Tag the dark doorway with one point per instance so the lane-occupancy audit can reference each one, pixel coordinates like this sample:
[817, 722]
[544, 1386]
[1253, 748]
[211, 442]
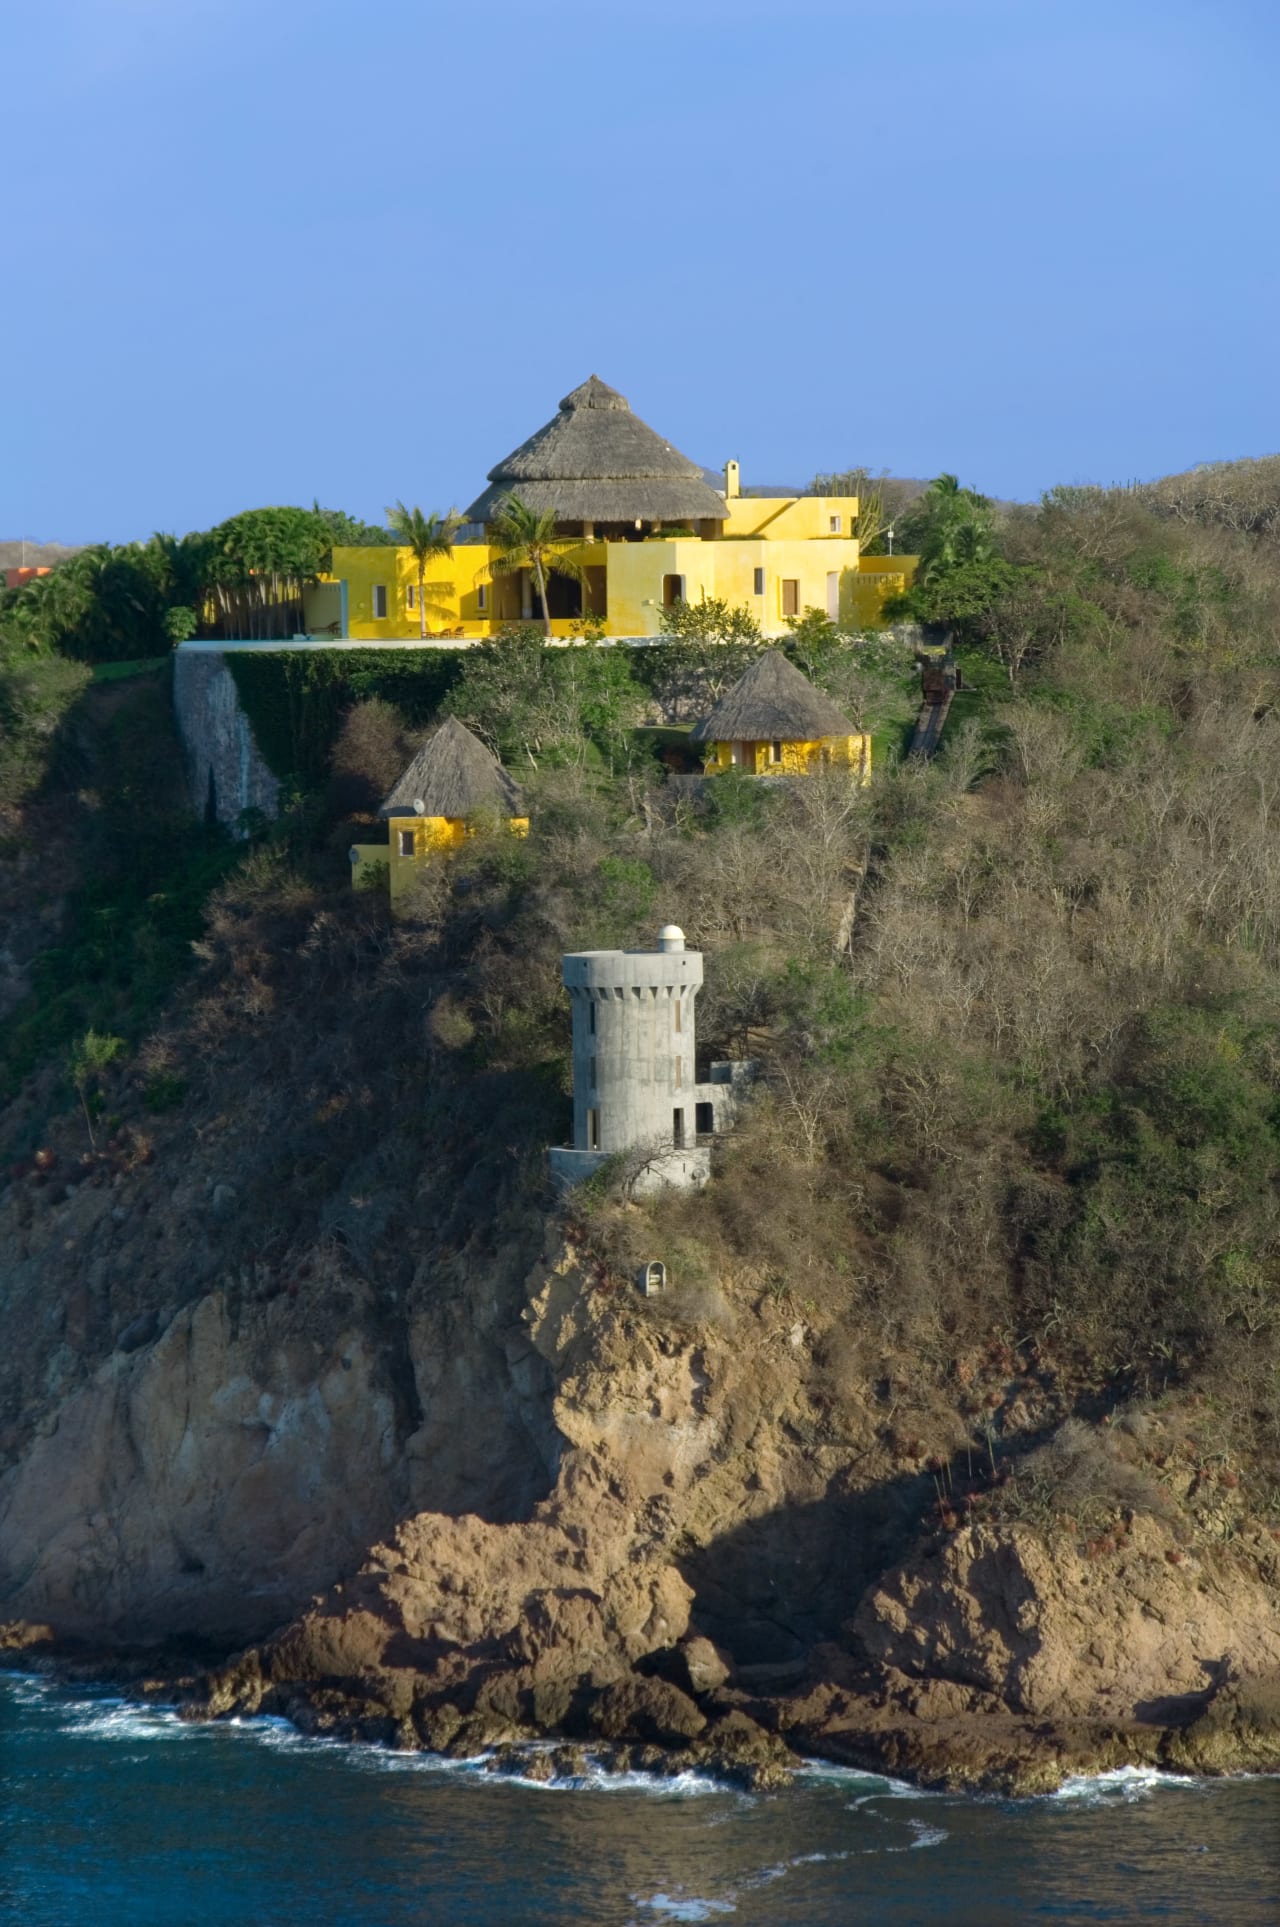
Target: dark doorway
[706, 1117]
[564, 596]
[677, 1129]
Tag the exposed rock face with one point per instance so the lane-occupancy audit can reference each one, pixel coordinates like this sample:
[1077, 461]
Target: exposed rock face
[992, 1657]
[195, 1486]
[530, 1502]
[1129, 1636]
[202, 1468]
[227, 772]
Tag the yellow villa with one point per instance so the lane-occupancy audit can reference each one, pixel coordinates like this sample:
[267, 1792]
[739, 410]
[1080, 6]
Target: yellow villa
[650, 530]
[453, 782]
[773, 722]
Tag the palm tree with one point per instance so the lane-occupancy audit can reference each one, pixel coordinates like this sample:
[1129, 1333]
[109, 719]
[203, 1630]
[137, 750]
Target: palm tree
[526, 538]
[953, 526]
[428, 536]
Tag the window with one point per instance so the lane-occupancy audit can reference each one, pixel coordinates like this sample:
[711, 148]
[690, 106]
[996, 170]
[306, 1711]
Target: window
[482, 597]
[591, 1074]
[833, 525]
[672, 591]
[759, 582]
[679, 1019]
[790, 596]
[679, 1068]
[379, 601]
[409, 594]
[705, 1117]
[677, 1129]
[406, 842]
[775, 752]
[592, 1024]
[593, 1130]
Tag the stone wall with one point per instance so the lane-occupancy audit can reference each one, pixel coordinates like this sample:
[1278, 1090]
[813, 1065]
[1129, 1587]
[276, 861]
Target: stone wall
[225, 768]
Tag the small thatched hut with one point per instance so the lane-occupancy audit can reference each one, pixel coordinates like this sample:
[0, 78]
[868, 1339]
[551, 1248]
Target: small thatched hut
[452, 781]
[453, 776]
[774, 722]
[602, 470]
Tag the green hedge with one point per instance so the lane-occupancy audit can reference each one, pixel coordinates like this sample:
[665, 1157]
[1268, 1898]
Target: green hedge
[295, 701]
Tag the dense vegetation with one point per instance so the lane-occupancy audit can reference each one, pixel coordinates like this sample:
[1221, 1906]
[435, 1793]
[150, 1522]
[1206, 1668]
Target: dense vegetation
[1018, 1010]
[242, 578]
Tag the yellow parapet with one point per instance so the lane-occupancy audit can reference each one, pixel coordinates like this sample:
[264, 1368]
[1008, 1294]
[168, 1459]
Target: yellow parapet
[879, 579]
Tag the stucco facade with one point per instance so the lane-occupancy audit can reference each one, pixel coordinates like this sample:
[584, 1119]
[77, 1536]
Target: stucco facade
[779, 757]
[774, 556]
[411, 841]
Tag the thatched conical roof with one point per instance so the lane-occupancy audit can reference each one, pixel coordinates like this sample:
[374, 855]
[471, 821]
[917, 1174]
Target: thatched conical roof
[774, 701]
[453, 774]
[597, 462]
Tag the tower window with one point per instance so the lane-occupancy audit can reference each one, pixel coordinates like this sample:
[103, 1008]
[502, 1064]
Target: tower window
[591, 1075]
[482, 597]
[379, 601]
[759, 582]
[406, 842]
[833, 525]
[775, 752]
[679, 1022]
[409, 595]
[592, 1008]
[679, 1066]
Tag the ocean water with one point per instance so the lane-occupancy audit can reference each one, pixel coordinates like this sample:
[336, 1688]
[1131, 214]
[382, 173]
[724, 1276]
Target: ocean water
[115, 1814]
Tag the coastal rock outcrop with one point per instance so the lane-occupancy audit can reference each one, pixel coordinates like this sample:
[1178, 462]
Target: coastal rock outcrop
[996, 1654]
[1146, 1632]
[510, 1499]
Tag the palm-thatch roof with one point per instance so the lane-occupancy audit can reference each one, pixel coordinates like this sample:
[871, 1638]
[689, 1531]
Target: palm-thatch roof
[773, 702]
[453, 774]
[597, 462]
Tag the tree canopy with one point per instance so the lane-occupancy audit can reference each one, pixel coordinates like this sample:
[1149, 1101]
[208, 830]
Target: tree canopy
[115, 604]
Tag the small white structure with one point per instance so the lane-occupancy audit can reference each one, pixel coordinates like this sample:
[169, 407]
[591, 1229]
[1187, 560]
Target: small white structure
[634, 1066]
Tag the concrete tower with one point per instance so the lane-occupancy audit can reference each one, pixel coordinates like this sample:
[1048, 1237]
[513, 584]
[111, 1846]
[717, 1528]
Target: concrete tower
[634, 1064]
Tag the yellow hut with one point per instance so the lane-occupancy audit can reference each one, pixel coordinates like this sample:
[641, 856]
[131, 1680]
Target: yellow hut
[773, 722]
[453, 782]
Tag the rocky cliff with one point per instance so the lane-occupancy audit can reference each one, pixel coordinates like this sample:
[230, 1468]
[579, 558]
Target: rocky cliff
[703, 1576]
[534, 1503]
[225, 768]
[297, 1362]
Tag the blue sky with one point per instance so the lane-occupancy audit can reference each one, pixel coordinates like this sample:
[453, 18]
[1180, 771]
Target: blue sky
[264, 251]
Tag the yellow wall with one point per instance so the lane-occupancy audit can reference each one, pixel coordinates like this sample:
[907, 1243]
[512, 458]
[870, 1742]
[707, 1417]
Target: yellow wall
[798, 759]
[451, 597]
[807, 518]
[793, 546]
[880, 577]
[727, 569]
[453, 591]
[432, 836]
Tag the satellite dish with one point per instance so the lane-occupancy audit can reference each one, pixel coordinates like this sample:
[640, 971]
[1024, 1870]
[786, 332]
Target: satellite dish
[419, 807]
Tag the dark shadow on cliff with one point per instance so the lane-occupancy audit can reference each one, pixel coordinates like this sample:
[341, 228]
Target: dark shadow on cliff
[772, 1588]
